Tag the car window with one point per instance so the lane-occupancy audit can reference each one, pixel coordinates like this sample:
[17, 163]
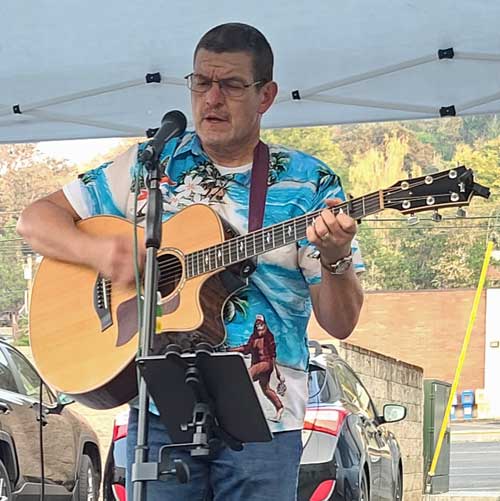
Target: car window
[354, 390]
[346, 383]
[322, 388]
[7, 380]
[30, 380]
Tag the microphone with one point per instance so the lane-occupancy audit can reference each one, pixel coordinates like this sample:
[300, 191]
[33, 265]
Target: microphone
[173, 124]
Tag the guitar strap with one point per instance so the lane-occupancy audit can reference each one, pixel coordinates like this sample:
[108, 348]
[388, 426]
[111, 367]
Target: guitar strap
[258, 187]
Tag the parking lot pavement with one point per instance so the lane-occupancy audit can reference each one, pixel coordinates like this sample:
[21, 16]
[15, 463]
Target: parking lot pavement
[475, 431]
[462, 496]
[475, 467]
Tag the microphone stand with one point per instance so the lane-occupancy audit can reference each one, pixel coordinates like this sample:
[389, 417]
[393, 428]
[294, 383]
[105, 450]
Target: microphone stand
[153, 236]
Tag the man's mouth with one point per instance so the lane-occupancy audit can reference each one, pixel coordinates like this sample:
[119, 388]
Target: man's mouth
[214, 119]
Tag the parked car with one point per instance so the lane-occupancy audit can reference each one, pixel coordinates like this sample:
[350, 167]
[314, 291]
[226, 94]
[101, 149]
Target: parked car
[348, 453]
[69, 459]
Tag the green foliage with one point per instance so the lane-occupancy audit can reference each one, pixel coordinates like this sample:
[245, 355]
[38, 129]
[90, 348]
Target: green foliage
[380, 167]
[484, 158]
[316, 141]
[25, 176]
[12, 283]
[23, 333]
[370, 157]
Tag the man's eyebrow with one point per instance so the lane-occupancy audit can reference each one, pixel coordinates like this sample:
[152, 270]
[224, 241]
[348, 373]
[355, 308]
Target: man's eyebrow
[230, 77]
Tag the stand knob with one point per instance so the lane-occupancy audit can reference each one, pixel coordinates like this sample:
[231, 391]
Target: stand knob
[180, 470]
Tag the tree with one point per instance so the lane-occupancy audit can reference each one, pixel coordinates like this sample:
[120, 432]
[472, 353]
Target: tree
[484, 158]
[316, 141]
[356, 140]
[380, 167]
[25, 176]
[480, 127]
[12, 283]
[111, 154]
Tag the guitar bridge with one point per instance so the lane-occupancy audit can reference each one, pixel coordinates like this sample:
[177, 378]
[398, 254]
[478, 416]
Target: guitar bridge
[102, 301]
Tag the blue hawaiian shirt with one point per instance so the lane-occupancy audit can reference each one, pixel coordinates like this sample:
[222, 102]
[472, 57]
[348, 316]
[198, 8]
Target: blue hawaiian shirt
[267, 320]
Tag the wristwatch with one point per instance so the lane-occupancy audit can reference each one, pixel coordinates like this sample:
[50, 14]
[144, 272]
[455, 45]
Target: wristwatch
[338, 267]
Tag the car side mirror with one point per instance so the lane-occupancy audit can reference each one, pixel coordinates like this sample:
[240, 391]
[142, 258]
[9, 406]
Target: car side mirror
[63, 399]
[393, 413]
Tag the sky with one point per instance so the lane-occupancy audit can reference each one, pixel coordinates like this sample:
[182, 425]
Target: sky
[79, 150]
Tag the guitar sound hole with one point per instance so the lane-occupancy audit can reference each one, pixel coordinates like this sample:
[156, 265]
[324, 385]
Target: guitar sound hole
[170, 268]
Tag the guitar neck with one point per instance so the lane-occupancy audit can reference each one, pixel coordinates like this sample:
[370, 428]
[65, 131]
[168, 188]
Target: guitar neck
[273, 237]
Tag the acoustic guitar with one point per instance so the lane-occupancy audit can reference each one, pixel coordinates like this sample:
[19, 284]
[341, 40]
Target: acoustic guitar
[83, 328]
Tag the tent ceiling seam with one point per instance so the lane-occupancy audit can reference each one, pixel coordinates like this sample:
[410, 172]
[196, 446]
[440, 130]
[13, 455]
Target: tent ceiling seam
[373, 104]
[149, 78]
[82, 121]
[478, 102]
[442, 54]
[6, 110]
[477, 56]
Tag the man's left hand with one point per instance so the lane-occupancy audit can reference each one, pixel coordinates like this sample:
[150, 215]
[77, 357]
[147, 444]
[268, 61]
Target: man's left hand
[332, 234]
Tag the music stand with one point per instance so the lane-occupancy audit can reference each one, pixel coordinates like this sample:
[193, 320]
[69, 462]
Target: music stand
[206, 400]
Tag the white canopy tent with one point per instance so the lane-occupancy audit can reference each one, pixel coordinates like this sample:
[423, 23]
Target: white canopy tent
[79, 69]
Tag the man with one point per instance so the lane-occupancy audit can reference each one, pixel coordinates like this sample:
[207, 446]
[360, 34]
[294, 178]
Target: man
[231, 88]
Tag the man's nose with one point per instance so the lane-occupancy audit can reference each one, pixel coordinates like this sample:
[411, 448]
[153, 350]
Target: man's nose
[214, 94]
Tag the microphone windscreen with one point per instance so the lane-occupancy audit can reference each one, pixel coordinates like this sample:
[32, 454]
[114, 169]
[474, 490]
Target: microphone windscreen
[176, 117]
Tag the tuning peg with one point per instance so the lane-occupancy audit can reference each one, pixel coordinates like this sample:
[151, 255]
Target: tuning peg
[436, 217]
[412, 219]
[461, 212]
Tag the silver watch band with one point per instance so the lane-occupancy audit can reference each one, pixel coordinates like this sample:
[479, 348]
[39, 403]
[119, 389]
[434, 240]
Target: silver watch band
[338, 267]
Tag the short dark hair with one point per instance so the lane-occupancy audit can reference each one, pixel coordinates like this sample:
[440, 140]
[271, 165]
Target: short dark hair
[239, 37]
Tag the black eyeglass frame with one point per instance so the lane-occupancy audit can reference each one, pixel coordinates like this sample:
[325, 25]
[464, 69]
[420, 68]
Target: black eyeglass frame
[189, 79]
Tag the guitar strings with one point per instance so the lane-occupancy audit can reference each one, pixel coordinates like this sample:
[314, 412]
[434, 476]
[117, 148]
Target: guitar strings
[176, 267]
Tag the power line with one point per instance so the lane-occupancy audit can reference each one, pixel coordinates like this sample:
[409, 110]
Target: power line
[436, 227]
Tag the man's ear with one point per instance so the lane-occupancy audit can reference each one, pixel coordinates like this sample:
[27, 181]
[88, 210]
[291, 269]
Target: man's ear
[268, 95]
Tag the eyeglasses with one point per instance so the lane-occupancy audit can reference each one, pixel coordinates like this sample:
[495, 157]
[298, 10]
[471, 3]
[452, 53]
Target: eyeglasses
[230, 87]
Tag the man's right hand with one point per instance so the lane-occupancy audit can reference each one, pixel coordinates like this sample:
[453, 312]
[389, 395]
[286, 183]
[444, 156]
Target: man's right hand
[113, 257]
[49, 225]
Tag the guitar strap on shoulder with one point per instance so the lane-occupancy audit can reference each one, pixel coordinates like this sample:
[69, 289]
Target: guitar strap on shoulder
[258, 186]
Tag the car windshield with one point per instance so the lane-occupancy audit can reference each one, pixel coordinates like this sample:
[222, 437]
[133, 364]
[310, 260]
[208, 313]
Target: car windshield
[322, 387]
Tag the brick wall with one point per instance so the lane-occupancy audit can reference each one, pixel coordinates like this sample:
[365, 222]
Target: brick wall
[392, 381]
[424, 328]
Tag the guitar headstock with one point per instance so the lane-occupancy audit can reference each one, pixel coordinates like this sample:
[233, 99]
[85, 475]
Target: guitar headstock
[450, 188]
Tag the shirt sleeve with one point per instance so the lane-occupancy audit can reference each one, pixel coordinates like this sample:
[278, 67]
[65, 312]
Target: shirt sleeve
[328, 185]
[104, 190]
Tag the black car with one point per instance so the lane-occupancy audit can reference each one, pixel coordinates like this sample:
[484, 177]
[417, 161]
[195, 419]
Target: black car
[348, 454]
[68, 465]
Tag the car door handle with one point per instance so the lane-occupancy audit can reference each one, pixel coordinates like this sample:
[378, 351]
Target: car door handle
[5, 408]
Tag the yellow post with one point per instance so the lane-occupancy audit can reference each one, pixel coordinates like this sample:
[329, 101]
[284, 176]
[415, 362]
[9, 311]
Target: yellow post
[461, 360]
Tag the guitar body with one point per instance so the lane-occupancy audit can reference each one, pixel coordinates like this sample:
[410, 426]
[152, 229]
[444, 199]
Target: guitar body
[83, 332]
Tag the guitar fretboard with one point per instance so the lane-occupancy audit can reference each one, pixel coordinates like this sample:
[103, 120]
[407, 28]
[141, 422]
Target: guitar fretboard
[273, 237]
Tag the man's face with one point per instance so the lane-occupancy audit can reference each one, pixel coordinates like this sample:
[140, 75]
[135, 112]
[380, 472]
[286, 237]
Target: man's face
[223, 123]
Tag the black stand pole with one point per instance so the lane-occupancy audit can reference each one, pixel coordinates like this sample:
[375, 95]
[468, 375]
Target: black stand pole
[150, 159]
[173, 124]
